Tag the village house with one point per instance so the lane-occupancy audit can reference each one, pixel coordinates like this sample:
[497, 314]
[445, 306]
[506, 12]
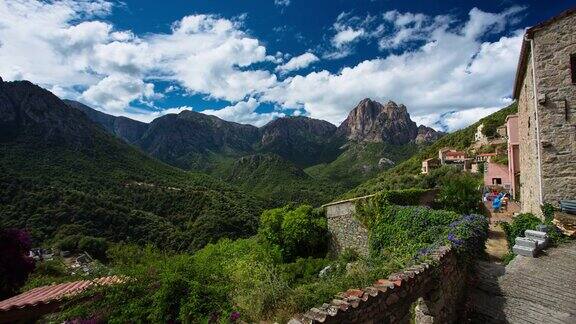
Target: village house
[545, 88]
[504, 175]
[429, 165]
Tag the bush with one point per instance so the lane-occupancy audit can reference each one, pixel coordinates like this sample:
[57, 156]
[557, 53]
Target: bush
[460, 194]
[68, 243]
[519, 225]
[403, 197]
[299, 232]
[95, 246]
[15, 265]
[490, 128]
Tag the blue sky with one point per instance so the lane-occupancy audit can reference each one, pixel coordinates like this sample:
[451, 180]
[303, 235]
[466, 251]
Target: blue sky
[449, 62]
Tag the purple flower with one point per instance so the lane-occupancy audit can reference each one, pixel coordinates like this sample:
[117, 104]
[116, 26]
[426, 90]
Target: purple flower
[234, 316]
[456, 241]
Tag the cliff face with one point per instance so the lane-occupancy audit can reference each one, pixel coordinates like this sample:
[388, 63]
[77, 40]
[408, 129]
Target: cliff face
[370, 121]
[427, 135]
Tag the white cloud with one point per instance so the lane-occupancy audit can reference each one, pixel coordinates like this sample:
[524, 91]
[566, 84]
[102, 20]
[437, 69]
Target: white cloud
[297, 63]
[282, 3]
[115, 92]
[349, 29]
[204, 54]
[244, 112]
[454, 120]
[453, 70]
[68, 47]
[346, 35]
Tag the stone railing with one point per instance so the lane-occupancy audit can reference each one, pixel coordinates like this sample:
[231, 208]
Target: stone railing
[430, 292]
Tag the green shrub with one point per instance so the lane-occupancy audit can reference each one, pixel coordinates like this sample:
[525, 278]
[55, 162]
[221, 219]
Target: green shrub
[68, 243]
[460, 194]
[403, 197]
[95, 246]
[299, 232]
[519, 225]
[303, 269]
[548, 212]
[490, 128]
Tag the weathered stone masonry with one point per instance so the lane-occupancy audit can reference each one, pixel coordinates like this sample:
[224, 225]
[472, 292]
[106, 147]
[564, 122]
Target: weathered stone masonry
[547, 115]
[346, 232]
[437, 287]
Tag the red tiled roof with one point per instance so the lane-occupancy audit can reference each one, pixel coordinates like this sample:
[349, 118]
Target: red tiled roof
[53, 293]
[454, 153]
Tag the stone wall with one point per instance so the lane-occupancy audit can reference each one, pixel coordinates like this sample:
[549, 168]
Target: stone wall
[346, 232]
[529, 167]
[557, 111]
[437, 287]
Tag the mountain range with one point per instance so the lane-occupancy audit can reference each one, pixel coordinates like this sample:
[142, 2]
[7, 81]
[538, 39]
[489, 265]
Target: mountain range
[372, 138]
[182, 180]
[63, 175]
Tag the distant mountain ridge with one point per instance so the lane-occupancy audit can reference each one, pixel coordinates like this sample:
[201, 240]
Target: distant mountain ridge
[189, 136]
[59, 171]
[338, 157]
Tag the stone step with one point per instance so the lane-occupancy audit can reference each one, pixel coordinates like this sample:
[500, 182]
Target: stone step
[523, 250]
[540, 237]
[527, 242]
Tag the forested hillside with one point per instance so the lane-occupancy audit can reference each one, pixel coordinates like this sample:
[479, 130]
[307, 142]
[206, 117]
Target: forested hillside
[61, 175]
[405, 174]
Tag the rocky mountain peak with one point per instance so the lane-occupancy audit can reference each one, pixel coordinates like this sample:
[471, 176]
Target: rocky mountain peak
[26, 109]
[371, 121]
[427, 135]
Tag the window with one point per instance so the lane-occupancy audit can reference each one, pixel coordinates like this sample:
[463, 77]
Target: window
[496, 181]
[573, 67]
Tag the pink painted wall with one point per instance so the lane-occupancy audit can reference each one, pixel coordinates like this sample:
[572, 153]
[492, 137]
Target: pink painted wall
[513, 151]
[495, 170]
[512, 129]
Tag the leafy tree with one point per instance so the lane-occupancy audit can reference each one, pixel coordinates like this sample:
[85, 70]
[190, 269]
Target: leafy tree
[15, 264]
[460, 194]
[95, 246]
[300, 231]
[490, 127]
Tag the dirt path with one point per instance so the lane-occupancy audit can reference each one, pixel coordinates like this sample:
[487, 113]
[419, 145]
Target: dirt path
[497, 246]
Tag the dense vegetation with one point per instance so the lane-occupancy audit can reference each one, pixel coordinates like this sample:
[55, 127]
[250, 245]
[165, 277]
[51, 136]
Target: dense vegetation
[63, 178]
[277, 181]
[282, 270]
[408, 170]
[361, 161]
[133, 198]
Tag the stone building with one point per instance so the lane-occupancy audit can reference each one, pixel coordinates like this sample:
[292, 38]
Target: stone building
[545, 88]
[513, 153]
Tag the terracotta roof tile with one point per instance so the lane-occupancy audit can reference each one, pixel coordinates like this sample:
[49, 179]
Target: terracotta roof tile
[52, 293]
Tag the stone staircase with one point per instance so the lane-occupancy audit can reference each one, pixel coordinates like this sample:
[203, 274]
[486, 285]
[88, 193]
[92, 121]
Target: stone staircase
[531, 244]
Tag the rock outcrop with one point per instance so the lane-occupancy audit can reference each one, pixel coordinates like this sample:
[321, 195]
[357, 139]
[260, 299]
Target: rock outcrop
[427, 135]
[370, 121]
